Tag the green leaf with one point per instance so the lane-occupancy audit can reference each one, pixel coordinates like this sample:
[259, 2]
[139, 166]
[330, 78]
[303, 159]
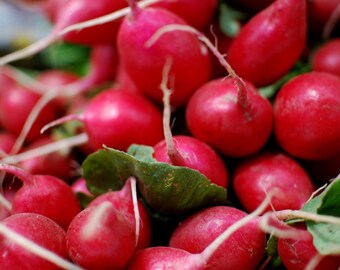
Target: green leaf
[167, 189]
[141, 152]
[326, 237]
[229, 20]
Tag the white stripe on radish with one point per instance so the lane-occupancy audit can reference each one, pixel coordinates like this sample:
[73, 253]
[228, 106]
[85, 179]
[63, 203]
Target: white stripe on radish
[37, 249]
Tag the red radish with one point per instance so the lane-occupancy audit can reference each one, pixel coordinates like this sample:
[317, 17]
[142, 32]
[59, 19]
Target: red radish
[109, 245]
[144, 62]
[75, 11]
[124, 81]
[59, 164]
[299, 253]
[16, 104]
[7, 141]
[235, 122]
[40, 229]
[187, 151]
[196, 13]
[162, 258]
[327, 57]
[256, 176]
[284, 23]
[118, 119]
[196, 155]
[244, 249]
[56, 79]
[45, 195]
[306, 116]
[122, 202]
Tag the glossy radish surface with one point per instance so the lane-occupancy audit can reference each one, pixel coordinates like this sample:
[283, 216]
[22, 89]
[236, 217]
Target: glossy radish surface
[306, 116]
[196, 155]
[242, 250]
[284, 23]
[216, 115]
[327, 57]
[255, 177]
[144, 63]
[40, 229]
[45, 195]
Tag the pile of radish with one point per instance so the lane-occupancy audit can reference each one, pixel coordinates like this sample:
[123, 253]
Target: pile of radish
[203, 135]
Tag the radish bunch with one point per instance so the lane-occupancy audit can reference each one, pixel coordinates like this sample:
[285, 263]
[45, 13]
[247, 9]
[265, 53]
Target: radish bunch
[197, 135]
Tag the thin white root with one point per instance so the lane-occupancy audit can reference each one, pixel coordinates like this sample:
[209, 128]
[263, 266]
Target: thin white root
[242, 92]
[314, 262]
[37, 249]
[133, 183]
[293, 214]
[47, 149]
[38, 107]
[213, 246]
[54, 36]
[104, 19]
[94, 220]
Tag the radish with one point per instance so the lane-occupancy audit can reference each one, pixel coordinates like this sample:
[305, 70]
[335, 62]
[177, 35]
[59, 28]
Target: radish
[255, 177]
[235, 121]
[327, 57]
[117, 119]
[74, 11]
[59, 164]
[16, 105]
[283, 23]
[144, 62]
[110, 243]
[242, 250]
[122, 201]
[187, 151]
[65, 26]
[306, 116]
[7, 141]
[300, 253]
[45, 195]
[40, 229]
[198, 14]
[162, 258]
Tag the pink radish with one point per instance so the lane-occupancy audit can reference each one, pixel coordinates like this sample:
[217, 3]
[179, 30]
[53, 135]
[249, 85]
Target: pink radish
[108, 245]
[45, 195]
[242, 250]
[59, 164]
[16, 104]
[300, 252]
[306, 116]
[327, 57]
[185, 150]
[284, 23]
[40, 229]
[162, 258]
[7, 141]
[235, 121]
[117, 119]
[196, 13]
[122, 202]
[144, 62]
[256, 176]
[76, 11]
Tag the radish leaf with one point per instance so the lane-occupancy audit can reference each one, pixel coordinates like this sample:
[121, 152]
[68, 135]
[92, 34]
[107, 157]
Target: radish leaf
[165, 188]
